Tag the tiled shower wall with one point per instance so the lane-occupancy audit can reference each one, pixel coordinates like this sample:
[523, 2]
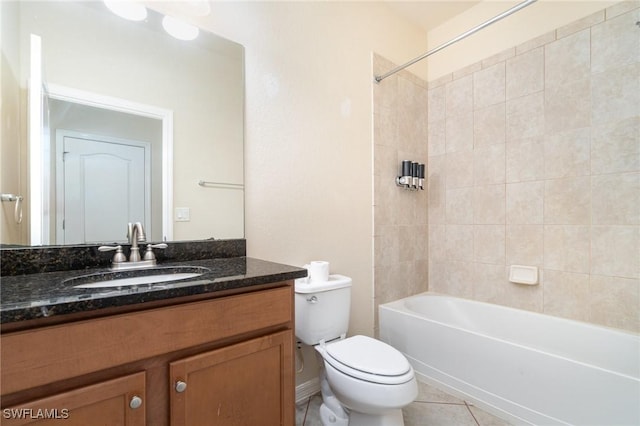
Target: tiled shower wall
[534, 159]
[400, 216]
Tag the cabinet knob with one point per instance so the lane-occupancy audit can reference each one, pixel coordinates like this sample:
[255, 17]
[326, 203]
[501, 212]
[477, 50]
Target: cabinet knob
[135, 402]
[181, 386]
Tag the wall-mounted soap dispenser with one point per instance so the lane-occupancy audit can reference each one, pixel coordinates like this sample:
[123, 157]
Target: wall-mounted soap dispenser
[411, 176]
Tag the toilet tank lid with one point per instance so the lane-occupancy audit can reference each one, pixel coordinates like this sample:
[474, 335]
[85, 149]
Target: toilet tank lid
[334, 282]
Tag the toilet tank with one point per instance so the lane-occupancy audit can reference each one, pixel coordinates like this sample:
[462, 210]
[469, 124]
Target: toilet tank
[322, 308]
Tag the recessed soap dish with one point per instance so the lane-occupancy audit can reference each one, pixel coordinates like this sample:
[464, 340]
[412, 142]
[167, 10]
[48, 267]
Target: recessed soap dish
[520, 274]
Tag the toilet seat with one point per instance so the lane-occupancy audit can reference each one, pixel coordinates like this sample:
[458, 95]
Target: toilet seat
[370, 360]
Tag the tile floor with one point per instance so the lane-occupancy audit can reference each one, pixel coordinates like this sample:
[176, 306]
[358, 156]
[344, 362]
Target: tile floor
[432, 408]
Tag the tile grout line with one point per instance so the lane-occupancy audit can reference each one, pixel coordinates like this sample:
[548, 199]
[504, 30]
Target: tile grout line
[306, 410]
[471, 412]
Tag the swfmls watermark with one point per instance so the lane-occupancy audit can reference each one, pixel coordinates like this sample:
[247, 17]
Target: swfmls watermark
[36, 414]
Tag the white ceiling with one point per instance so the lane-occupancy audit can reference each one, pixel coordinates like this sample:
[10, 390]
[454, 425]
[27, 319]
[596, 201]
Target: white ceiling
[430, 13]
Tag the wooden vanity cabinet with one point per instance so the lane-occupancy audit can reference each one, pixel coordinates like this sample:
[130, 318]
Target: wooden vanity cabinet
[112, 402]
[223, 361]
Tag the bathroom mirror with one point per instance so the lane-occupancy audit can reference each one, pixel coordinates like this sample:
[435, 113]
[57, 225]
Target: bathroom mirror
[173, 110]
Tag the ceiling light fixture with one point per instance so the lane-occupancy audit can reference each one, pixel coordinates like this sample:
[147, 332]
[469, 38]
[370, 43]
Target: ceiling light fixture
[127, 9]
[179, 29]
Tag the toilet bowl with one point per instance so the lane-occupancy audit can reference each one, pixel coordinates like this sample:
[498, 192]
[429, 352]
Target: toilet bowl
[364, 382]
[369, 378]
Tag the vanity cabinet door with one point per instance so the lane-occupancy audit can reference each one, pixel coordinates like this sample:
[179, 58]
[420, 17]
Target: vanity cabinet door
[114, 402]
[249, 383]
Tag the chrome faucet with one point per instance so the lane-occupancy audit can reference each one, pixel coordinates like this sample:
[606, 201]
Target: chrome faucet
[135, 235]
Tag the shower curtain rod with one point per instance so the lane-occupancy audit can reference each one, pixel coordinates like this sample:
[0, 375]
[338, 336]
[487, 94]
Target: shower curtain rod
[379, 78]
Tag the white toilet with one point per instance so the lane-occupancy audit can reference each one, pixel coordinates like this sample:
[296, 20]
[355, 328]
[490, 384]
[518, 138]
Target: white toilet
[364, 382]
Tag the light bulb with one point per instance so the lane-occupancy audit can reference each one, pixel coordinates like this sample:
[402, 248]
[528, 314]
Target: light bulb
[179, 29]
[127, 9]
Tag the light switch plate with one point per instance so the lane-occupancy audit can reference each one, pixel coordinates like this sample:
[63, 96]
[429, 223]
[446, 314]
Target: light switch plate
[183, 214]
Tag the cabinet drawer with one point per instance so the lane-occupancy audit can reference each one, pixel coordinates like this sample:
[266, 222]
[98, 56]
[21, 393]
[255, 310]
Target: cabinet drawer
[110, 402]
[37, 357]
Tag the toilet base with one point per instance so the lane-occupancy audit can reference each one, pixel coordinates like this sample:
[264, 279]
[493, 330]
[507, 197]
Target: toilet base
[391, 418]
[332, 413]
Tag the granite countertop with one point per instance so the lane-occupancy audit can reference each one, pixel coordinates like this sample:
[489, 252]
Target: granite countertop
[42, 295]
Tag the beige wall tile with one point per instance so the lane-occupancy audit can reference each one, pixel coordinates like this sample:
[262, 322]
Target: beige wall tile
[437, 243]
[615, 199]
[499, 57]
[460, 279]
[567, 59]
[489, 125]
[469, 69]
[621, 7]
[536, 42]
[440, 81]
[460, 206]
[527, 297]
[489, 165]
[525, 117]
[616, 147]
[568, 106]
[489, 205]
[614, 251]
[567, 248]
[413, 242]
[437, 276]
[525, 160]
[616, 95]
[459, 169]
[436, 138]
[525, 74]
[553, 169]
[436, 106]
[525, 202]
[489, 244]
[615, 42]
[387, 248]
[385, 95]
[567, 201]
[581, 24]
[489, 282]
[459, 242]
[385, 126]
[524, 245]
[489, 86]
[615, 301]
[459, 96]
[567, 154]
[566, 295]
[385, 160]
[459, 132]
[436, 187]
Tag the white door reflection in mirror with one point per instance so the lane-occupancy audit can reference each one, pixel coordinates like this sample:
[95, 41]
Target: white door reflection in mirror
[102, 184]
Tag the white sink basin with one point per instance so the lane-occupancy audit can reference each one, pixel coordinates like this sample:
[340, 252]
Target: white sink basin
[136, 277]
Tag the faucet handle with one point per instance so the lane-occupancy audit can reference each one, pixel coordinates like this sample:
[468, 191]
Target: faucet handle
[119, 257]
[148, 254]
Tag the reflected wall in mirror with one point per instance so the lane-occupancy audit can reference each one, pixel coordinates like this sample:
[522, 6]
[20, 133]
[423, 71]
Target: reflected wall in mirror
[91, 53]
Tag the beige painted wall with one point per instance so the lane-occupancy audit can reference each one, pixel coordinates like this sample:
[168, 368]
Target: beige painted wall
[533, 21]
[308, 155]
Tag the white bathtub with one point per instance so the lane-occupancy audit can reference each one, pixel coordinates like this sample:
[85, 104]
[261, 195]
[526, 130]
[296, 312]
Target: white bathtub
[525, 367]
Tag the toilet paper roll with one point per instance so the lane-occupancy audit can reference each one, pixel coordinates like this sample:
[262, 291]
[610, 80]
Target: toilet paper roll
[318, 271]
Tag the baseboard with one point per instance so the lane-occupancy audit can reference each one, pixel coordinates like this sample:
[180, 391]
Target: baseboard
[307, 389]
